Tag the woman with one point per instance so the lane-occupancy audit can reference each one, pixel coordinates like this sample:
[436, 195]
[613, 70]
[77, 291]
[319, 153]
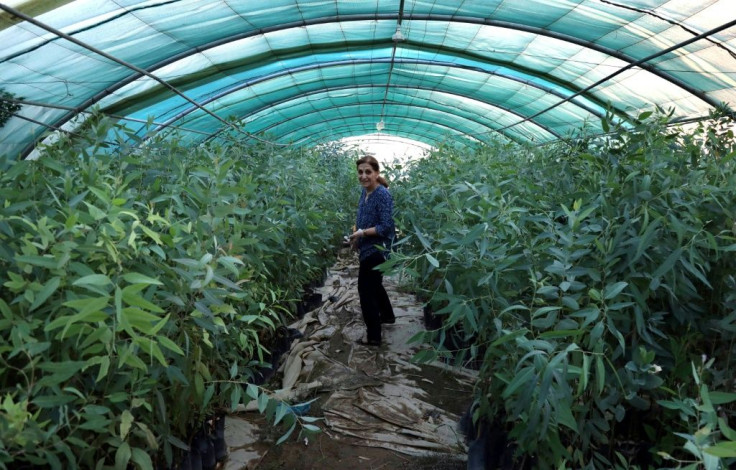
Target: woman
[375, 231]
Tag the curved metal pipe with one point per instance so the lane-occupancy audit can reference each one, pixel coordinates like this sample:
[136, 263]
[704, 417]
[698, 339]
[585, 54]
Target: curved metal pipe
[374, 17]
[303, 68]
[321, 91]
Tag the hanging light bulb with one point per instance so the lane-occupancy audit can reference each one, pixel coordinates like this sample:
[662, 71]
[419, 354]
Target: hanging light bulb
[380, 125]
[398, 37]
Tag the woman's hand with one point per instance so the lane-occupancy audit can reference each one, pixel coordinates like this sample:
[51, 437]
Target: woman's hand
[355, 237]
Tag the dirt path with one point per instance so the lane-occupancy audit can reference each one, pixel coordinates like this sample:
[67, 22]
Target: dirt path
[377, 410]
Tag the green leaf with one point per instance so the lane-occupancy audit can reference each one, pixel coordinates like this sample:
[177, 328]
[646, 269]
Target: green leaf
[208, 394]
[52, 401]
[126, 421]
[132, 298]
[721, 398]
[668, 264]
[48, 262]
[722, 449]
[104, 367]
[78, 198]
[424, 356]
[726, 430]
[199, 385]
[46, 291]
[565, 417]
[505, 338]
[150, 347]
[584, 374]
[425, 243]
[281, 411]
[262, 402]
[142, 459]
[286, 435]
[560, 333]
[122, 456]
[93, 280]
[138, 278]
[522, 378]
[612, 290]
[88, 304]
[600, 373]
[235, 396]
[543, 310]
[95, 212]
[170, 345]
[311, 428]
[432, 260]
[151, 234]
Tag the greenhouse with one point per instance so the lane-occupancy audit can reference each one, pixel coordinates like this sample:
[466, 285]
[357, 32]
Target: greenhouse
[182, 272]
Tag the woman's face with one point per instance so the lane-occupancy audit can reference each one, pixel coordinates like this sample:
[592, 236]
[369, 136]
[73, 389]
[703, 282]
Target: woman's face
[367, 176]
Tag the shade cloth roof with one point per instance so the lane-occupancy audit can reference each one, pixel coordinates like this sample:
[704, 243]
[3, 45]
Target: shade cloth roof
[304, 72]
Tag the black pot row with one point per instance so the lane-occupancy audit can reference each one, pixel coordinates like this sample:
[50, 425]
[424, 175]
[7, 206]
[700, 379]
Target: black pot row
[208, 446]
[453, 339]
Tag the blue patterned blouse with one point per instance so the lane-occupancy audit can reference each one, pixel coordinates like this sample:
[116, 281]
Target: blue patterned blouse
[376, 212]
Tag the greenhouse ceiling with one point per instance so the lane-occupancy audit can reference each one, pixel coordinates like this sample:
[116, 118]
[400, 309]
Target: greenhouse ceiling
[307, 72]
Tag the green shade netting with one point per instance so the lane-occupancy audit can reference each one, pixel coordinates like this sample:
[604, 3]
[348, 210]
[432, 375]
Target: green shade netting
[306, 72]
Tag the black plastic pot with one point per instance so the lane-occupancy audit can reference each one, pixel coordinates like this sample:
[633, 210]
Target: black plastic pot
[191, 461]
[431, 321]
[312, 301]
[218, 439]
[206, 449]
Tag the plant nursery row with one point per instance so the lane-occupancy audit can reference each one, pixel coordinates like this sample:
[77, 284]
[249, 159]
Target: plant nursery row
[591, 283]
[141, 289]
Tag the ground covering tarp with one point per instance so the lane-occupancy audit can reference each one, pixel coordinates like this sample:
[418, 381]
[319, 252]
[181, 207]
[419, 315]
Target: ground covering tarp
[368, 397]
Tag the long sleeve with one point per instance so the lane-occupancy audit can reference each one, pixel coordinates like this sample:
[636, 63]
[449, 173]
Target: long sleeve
[376, 212]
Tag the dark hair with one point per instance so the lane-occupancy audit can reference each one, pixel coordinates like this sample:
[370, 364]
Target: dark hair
[371, 160]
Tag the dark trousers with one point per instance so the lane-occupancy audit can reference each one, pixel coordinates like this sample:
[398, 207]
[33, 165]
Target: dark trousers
[374, 301]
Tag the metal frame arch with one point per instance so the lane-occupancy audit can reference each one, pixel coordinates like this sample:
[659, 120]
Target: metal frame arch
[291, 71]
[418, 17]
[400, 87]
[285, 136]
[422, 137]
[296, 70]
[484, 123]
[398, 117]
[431, 140]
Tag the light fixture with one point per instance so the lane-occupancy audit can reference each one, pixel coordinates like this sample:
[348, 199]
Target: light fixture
[398, 37]
[380, 125]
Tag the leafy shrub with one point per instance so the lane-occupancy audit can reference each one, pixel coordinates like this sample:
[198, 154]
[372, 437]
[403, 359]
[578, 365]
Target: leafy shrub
[585, 278]
[7, 107]
[141, 287]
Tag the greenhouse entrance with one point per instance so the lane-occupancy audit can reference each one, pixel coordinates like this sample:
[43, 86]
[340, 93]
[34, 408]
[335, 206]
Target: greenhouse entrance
[376, 408]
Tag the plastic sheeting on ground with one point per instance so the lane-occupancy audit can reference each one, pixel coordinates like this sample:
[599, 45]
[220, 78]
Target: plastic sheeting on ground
[369, 396]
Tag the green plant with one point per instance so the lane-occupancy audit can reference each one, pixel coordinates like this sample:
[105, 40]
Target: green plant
[141, 288]
[7, 107]
[581, 278]
[709, 440]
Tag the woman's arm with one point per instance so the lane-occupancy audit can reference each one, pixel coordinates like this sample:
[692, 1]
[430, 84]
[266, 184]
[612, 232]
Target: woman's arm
[385, 207]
